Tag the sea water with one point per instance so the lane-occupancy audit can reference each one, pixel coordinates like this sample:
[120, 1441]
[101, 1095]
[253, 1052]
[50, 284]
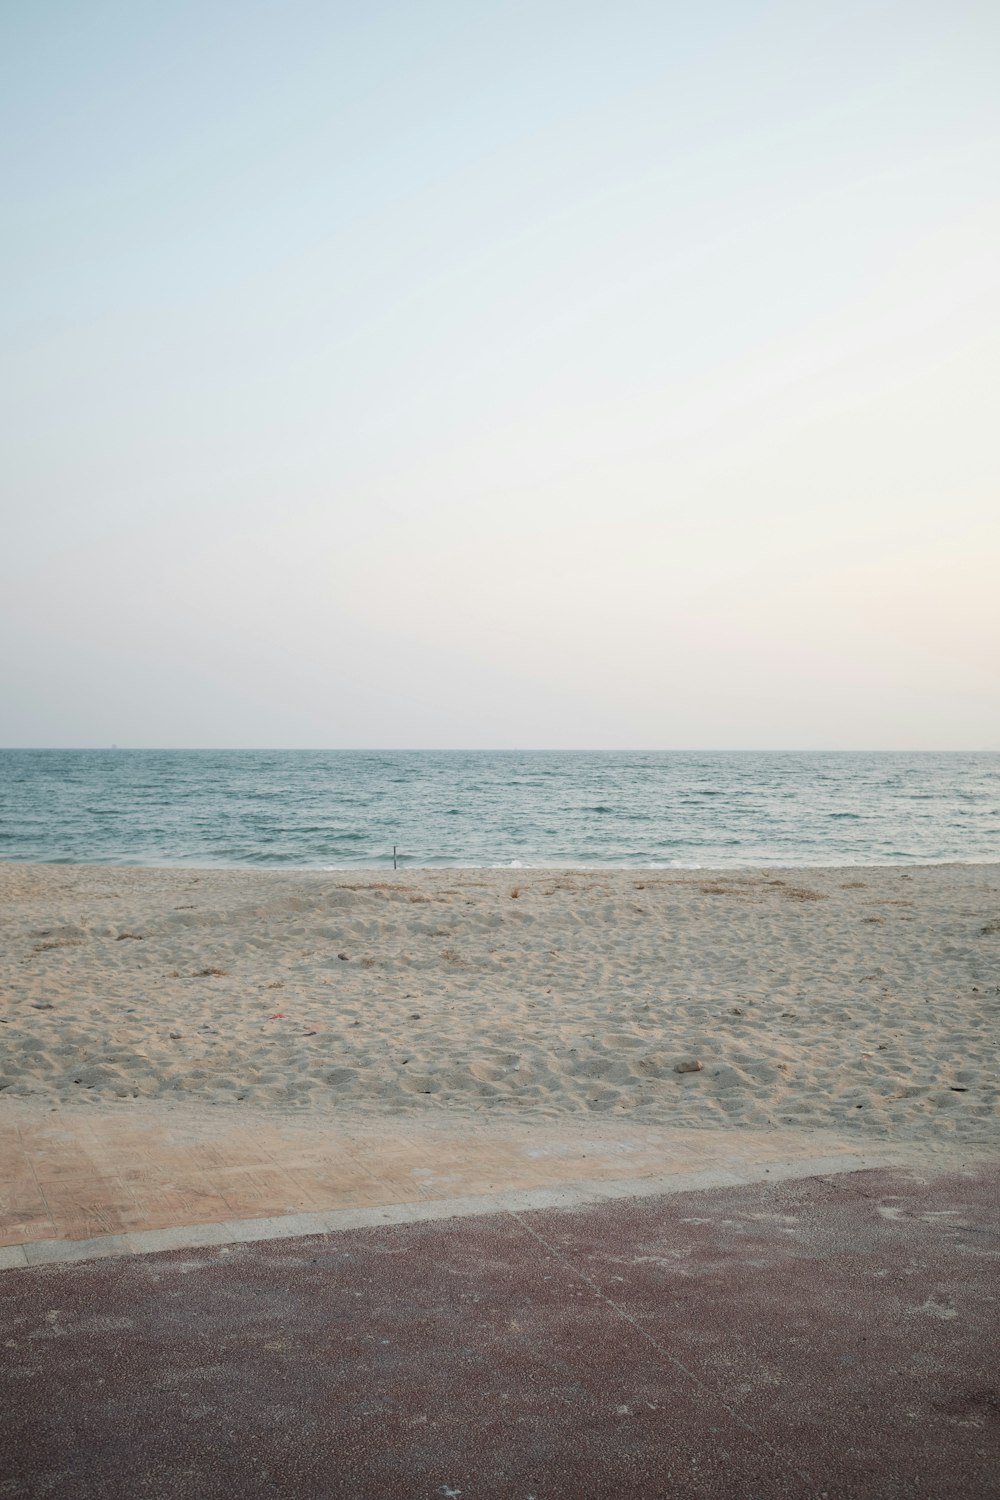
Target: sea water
[343, 809]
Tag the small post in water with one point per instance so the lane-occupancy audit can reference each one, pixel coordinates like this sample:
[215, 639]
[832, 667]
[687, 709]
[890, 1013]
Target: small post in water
[393, 856]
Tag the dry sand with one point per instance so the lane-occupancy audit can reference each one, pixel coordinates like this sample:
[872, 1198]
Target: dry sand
[865, 999]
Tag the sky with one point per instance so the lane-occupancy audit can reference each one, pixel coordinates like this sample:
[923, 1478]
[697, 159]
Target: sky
[499, 374]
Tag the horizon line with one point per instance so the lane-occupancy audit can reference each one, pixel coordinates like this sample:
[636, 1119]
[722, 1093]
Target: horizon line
[490, 750]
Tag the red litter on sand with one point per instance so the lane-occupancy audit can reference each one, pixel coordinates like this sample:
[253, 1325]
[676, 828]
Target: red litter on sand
[279, 1017]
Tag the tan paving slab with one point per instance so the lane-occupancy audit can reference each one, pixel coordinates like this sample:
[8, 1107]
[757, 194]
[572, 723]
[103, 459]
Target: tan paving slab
[88, 1175]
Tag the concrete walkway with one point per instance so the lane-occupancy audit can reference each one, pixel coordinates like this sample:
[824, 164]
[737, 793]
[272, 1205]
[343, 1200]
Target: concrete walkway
[79, 1183]
[831, 1336]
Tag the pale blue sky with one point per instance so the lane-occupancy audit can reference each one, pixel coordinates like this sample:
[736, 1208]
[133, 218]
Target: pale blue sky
[483, 374]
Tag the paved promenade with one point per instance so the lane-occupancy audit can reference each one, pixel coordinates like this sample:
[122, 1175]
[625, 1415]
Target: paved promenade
[829, 1336]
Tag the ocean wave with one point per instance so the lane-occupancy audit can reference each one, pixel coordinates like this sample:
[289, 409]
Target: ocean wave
[465, 810]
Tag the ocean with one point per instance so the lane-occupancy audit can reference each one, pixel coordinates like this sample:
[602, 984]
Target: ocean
[345, 809]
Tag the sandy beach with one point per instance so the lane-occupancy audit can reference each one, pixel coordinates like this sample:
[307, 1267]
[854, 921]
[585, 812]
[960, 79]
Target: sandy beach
[862, 999]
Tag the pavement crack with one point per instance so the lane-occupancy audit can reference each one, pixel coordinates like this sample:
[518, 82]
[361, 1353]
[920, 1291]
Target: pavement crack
[660, 1349]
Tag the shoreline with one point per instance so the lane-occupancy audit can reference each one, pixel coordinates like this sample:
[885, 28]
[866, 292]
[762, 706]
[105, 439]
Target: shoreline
[750, 867]
[858, 998]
